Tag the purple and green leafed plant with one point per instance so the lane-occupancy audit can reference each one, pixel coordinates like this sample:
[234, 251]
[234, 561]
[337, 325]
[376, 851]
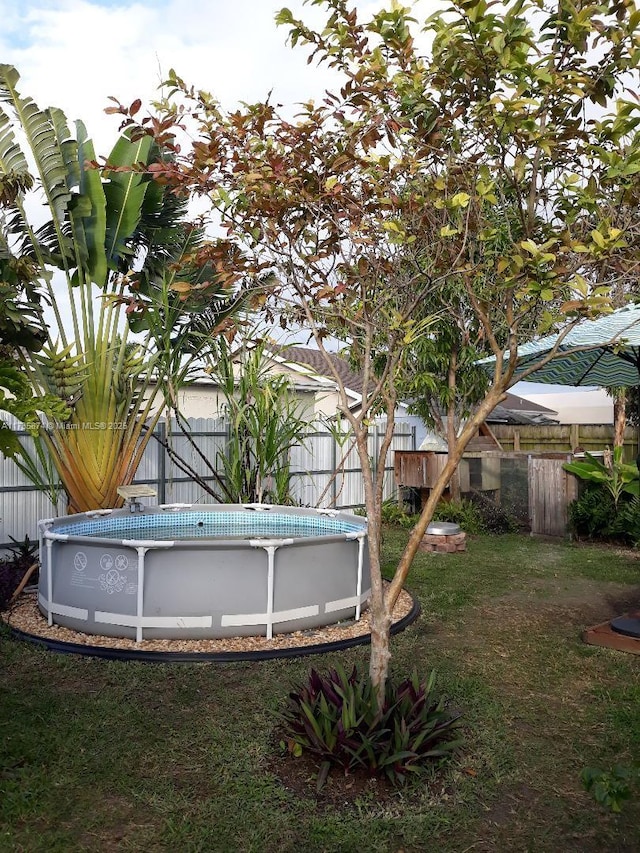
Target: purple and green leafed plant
[336, 718]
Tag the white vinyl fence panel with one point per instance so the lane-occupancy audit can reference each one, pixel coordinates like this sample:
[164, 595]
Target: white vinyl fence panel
[312, 465]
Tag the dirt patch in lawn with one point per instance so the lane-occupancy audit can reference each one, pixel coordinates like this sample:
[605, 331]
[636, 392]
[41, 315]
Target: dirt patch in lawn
[583, 599]
[353, 791]
[299, 775]
[577, 604]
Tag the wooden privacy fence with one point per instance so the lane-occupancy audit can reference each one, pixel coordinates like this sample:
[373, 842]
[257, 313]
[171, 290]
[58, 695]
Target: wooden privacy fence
[551, 490]
[313, 464]
[556, 438]
[532, 487]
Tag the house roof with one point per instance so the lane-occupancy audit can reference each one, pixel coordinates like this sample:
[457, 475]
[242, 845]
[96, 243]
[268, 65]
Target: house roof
[519, 404]
[514, 409]
[314, 360]
[517, 410]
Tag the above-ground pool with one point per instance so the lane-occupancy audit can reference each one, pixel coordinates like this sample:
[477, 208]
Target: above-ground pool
[197, 572]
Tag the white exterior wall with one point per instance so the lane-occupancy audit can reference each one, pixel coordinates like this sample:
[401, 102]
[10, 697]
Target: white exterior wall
[573, 405]
[203, 399]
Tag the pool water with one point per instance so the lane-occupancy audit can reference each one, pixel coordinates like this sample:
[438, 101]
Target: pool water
[208, 525]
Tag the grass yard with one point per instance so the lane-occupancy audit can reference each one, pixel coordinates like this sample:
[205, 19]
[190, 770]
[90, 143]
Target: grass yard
[103, 756]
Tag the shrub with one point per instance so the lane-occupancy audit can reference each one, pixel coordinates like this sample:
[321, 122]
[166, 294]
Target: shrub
[478, 514]
[495, 518]
[626, 523]
[463, 512]
[393, 514]
[13, 568]
[595, 515]
[335, 718]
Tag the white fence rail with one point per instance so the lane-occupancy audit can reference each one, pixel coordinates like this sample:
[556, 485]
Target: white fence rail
[312, 465]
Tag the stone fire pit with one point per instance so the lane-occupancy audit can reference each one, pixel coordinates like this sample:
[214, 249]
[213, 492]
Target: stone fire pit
[443, 537]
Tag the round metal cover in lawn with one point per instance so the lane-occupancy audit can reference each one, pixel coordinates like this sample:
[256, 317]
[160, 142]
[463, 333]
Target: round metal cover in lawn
[443, 528]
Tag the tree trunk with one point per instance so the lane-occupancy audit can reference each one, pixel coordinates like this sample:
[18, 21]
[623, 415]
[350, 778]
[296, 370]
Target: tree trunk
[619, 416]
[380, 651]
[382, 602]
[380, 618]
[454, 482]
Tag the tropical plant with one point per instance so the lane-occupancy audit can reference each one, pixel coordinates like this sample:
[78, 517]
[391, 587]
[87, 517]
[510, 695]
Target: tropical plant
[467, 513]
[613, 473]
[595, 515]
[265, 423]
[336, 718]
[17, 400]
[23, 551]
[111, 235]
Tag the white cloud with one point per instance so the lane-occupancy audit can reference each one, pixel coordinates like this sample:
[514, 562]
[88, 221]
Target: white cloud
[74, 54]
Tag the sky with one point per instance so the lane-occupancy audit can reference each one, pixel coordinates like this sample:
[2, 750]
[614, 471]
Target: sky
[74, 54]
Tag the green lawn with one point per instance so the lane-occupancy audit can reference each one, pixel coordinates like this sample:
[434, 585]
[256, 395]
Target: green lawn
[126, 756]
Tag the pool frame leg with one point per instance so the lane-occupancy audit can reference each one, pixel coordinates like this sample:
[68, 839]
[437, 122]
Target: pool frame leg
[49, 547]
[271, 557]
[140, 592]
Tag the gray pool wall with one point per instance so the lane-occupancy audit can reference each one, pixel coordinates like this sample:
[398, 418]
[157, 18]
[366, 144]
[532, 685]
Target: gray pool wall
[114, 584]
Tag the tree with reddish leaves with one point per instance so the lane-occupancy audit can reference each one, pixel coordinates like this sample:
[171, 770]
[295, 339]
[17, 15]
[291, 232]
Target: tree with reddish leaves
[479, 185]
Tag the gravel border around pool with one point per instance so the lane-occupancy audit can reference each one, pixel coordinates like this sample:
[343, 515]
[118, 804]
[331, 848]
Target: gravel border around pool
[27, 623]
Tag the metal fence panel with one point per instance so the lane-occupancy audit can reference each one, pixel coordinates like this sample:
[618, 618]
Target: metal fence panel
[312, 465]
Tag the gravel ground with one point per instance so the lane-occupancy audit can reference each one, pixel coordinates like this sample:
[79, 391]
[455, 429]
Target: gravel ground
[26, 617]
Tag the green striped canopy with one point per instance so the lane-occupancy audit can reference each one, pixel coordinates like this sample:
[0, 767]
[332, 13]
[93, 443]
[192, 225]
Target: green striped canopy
[613, 357]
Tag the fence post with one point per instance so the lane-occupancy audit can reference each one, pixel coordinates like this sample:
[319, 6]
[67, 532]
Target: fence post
[162, 462]
[516, 440]
[334, 463]
[574, 436]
